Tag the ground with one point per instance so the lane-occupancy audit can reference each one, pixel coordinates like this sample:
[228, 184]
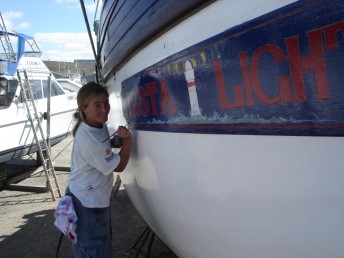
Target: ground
[27, 224]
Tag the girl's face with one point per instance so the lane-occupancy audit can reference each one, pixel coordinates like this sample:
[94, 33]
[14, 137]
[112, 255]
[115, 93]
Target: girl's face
[97, 111]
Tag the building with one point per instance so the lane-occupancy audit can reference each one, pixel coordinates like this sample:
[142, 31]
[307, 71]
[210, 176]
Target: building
[73, 70]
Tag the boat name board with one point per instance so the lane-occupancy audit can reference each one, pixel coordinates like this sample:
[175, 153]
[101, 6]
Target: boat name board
[33, 64]
[276, 74]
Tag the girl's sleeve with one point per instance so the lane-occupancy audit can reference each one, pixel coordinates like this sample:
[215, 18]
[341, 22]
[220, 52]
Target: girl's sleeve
[103, 159]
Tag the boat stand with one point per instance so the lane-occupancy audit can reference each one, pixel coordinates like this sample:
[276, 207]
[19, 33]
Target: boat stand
[142, 240]
[116, 187]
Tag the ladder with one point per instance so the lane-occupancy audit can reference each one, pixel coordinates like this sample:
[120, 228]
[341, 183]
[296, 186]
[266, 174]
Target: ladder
[10, 55]
[42, 146]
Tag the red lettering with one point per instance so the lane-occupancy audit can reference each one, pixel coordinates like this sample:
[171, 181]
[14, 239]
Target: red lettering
[314, 62]
[137, 108]
[152, 90]
[284, 94]
[166, 99]
[142, 100]
[289, 87]
[331, 31]
[146, 95]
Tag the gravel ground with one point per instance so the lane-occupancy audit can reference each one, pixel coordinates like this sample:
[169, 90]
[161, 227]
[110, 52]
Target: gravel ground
[27, 223]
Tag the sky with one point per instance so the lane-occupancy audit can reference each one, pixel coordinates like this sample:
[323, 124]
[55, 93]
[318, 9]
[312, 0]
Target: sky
[58, 26]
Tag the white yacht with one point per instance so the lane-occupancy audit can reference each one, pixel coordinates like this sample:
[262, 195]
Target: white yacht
[21, 53]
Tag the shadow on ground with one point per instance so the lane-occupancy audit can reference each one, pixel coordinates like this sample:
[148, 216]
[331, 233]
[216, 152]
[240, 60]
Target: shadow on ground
[37, 237]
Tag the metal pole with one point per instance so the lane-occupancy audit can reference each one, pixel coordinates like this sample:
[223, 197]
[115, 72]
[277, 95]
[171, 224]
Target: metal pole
[88, 28]
[48, 113]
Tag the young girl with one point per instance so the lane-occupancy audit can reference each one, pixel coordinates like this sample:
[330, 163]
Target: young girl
[93, 163]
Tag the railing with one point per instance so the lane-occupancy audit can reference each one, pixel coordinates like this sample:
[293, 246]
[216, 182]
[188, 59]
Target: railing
[8, 54]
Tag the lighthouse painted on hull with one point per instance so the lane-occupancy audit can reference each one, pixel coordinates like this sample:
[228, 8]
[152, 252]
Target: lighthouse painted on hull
[190, 79]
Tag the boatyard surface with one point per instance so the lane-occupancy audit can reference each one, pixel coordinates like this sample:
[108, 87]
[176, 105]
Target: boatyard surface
[27, 218]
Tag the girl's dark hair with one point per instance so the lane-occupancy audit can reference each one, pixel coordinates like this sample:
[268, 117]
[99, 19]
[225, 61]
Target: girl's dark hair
[85, 95]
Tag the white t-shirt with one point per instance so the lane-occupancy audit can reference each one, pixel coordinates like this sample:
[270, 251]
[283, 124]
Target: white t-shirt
[92, 166]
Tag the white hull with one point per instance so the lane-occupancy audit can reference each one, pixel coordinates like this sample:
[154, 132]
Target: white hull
[240, 196]
[227, 195]
[16, 133]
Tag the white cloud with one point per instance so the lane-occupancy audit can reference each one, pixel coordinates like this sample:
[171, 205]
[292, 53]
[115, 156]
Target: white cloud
[90, 7]
[66, 1]
[64, 46]
[12, 15]
[10, 20]
[23, 25]
[56, 46]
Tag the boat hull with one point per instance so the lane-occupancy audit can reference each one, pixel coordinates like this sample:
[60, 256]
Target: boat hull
[237, 121]
[18, 138]
[239, 196]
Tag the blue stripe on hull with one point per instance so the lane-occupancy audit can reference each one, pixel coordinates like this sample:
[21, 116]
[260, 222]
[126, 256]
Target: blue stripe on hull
[280, 74]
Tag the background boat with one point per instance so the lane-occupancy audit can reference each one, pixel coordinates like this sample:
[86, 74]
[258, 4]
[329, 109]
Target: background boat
[237, 111]
[70, 87]
[16, 135]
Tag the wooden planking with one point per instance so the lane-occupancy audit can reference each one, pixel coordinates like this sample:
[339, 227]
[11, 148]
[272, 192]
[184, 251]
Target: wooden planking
[131, 25]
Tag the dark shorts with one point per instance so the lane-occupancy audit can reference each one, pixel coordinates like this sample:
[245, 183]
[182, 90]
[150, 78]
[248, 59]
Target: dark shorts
[93, 231]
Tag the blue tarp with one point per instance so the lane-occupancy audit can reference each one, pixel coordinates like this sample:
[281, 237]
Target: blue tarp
[12, 66]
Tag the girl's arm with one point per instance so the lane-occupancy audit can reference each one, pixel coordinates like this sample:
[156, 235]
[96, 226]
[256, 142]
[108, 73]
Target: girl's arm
[124, 153]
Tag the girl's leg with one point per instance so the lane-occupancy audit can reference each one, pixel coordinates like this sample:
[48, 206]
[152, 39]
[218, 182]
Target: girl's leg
[93, 232]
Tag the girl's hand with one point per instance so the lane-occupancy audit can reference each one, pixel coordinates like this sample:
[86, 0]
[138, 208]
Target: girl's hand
[123, 132]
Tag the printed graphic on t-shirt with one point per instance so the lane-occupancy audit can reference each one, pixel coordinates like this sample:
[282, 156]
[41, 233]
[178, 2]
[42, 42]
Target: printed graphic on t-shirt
[109, 155]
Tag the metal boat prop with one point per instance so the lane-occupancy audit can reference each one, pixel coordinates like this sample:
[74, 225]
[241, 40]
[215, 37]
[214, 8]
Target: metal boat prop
[237, 111]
